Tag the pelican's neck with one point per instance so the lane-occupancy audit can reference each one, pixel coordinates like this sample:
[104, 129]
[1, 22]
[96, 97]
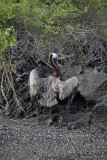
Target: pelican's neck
[54, 65]
[56, 72]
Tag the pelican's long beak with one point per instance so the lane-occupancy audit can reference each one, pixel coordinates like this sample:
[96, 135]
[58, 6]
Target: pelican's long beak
[55, 62]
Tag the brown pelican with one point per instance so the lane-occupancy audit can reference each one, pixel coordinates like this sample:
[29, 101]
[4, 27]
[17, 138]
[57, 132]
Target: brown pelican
[51, 89]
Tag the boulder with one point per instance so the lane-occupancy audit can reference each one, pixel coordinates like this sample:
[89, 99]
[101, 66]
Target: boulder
[92, 83]
[101, 107]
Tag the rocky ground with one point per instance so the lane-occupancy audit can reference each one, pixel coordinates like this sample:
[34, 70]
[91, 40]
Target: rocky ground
[26, 139]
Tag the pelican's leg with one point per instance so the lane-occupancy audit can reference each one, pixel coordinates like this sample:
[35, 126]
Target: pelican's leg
[70, 98]
[32, 102]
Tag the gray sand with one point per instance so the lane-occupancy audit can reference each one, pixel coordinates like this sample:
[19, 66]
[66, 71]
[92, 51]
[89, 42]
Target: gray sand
[26, 140]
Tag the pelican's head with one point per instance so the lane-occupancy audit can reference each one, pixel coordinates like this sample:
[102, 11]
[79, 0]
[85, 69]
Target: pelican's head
[53, 61]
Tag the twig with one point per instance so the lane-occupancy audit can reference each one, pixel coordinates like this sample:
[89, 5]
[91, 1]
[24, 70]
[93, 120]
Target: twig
[7, 106]
[15, 95]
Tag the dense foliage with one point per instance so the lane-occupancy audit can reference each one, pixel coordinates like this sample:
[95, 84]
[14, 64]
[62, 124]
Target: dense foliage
[51, 17]
[7, 39]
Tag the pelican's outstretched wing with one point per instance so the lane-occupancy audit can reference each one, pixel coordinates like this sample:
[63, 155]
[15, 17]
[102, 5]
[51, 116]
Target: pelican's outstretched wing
[33, 82]
[65, 88]
[48, 98]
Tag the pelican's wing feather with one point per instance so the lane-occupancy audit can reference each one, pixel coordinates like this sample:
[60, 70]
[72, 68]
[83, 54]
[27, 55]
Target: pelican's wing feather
[33, 82]
[48, 98]
[65, 88]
